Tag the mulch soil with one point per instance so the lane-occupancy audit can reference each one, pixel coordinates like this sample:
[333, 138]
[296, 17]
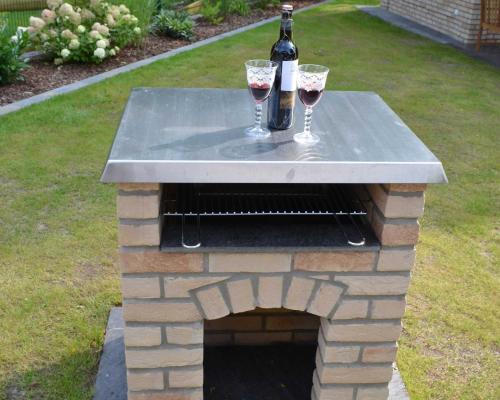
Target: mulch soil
[43, 75]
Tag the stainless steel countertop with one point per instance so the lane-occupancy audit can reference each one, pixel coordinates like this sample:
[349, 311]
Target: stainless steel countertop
[196, 135]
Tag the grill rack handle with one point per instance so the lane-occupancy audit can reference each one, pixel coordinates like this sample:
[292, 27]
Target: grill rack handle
[197, 243]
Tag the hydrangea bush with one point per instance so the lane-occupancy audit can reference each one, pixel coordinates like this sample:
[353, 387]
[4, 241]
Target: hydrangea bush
[90, 33]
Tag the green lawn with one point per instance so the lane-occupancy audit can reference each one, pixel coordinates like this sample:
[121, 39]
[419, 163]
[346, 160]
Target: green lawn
[58, 275]
[17, 18]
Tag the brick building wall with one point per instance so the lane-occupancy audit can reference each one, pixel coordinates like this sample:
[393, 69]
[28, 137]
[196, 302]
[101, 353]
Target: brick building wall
[458, 19]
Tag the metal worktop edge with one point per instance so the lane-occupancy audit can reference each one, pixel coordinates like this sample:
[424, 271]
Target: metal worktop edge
[164, 171]
[387, 150]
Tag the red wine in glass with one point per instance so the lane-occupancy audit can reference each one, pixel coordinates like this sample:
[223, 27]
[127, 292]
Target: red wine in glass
[260, 92]
[310, 97]
[310, 83]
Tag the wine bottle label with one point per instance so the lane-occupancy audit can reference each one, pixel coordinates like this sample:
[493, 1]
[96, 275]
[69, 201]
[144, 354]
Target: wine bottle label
[289, 71]
[287, 100]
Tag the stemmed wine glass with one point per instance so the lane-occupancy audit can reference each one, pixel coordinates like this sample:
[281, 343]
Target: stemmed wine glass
[260, 77]
[310, 84]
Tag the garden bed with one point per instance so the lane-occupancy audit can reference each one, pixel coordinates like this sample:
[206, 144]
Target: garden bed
[43, 75]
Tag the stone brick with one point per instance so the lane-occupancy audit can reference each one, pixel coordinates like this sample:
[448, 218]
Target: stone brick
[138, 207]
[235, 323]
[262, 338]
[396, 259]
[270, 291]
[351, 309]
[397, 206]
[249, 262]
[395, 232]
[336, 261]
[147, 234]
[378, 332]
[267, 311]
[176, 287]
[161, 312]
[336, 353]
[388, 309]
[379, 354]
[145, 288]
[185, 334]
[142, 336]
[145, 380]
[218, 339]
[405, 187]
[161, 358]
[373, 393]
[241, 295]
[213, 304]
[187, 394]
[299, 292]
[292, 322]
[186, 378]
[325, 299]
[331, 393]
[139, 187]
[156, 261]
[354, 374]
[375, 285]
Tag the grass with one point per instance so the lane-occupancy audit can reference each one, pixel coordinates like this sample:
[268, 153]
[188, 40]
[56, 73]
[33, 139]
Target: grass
[17, 18]
[58, 277]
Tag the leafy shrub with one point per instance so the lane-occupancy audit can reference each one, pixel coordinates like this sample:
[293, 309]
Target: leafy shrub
[212, 12]
[238, 7]
[266, 3]
[169, 4]
[89, 34]
[142, 9]
[215, 11]
[11, 48]
[176, 24]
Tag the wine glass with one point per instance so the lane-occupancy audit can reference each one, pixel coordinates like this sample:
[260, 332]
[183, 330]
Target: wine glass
[260, 78]
[310, 84]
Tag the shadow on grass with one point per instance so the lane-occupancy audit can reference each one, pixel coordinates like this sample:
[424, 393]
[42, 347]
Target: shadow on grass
[72, 378]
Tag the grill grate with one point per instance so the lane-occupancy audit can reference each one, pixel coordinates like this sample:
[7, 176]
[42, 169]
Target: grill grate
[191, 202]
[194, 200]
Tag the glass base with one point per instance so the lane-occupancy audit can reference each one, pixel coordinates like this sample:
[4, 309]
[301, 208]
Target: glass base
[306, 138]
[258, 132]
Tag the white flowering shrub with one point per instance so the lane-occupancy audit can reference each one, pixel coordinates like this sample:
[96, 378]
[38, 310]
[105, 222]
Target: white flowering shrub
[90, 33]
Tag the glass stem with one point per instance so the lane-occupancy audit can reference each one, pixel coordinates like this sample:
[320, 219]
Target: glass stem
[258, 115]
[308, 120]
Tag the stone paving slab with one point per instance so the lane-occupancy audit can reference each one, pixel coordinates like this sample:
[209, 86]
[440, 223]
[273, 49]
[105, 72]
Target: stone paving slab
[111, 382]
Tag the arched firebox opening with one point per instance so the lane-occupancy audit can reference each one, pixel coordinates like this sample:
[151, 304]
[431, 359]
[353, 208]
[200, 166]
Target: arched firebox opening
[264, 354]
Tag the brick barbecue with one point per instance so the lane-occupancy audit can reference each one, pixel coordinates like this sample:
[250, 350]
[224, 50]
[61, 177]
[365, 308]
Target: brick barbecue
[265, 288]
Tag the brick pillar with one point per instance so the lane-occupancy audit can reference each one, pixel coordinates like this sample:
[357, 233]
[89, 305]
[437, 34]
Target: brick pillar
[163, 336]
[358, 346]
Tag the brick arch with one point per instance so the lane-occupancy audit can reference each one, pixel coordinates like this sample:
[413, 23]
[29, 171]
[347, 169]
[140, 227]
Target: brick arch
[293, 292]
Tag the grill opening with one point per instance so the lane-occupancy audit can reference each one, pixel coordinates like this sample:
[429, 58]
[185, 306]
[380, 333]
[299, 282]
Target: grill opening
[266, 215]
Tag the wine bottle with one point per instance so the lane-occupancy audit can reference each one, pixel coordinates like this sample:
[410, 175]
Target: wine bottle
[286, 54]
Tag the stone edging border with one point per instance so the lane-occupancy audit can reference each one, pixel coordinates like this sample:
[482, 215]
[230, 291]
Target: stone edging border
[18, 105]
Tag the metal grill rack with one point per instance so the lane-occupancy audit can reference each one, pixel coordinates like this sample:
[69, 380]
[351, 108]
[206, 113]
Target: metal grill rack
[191, 202]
